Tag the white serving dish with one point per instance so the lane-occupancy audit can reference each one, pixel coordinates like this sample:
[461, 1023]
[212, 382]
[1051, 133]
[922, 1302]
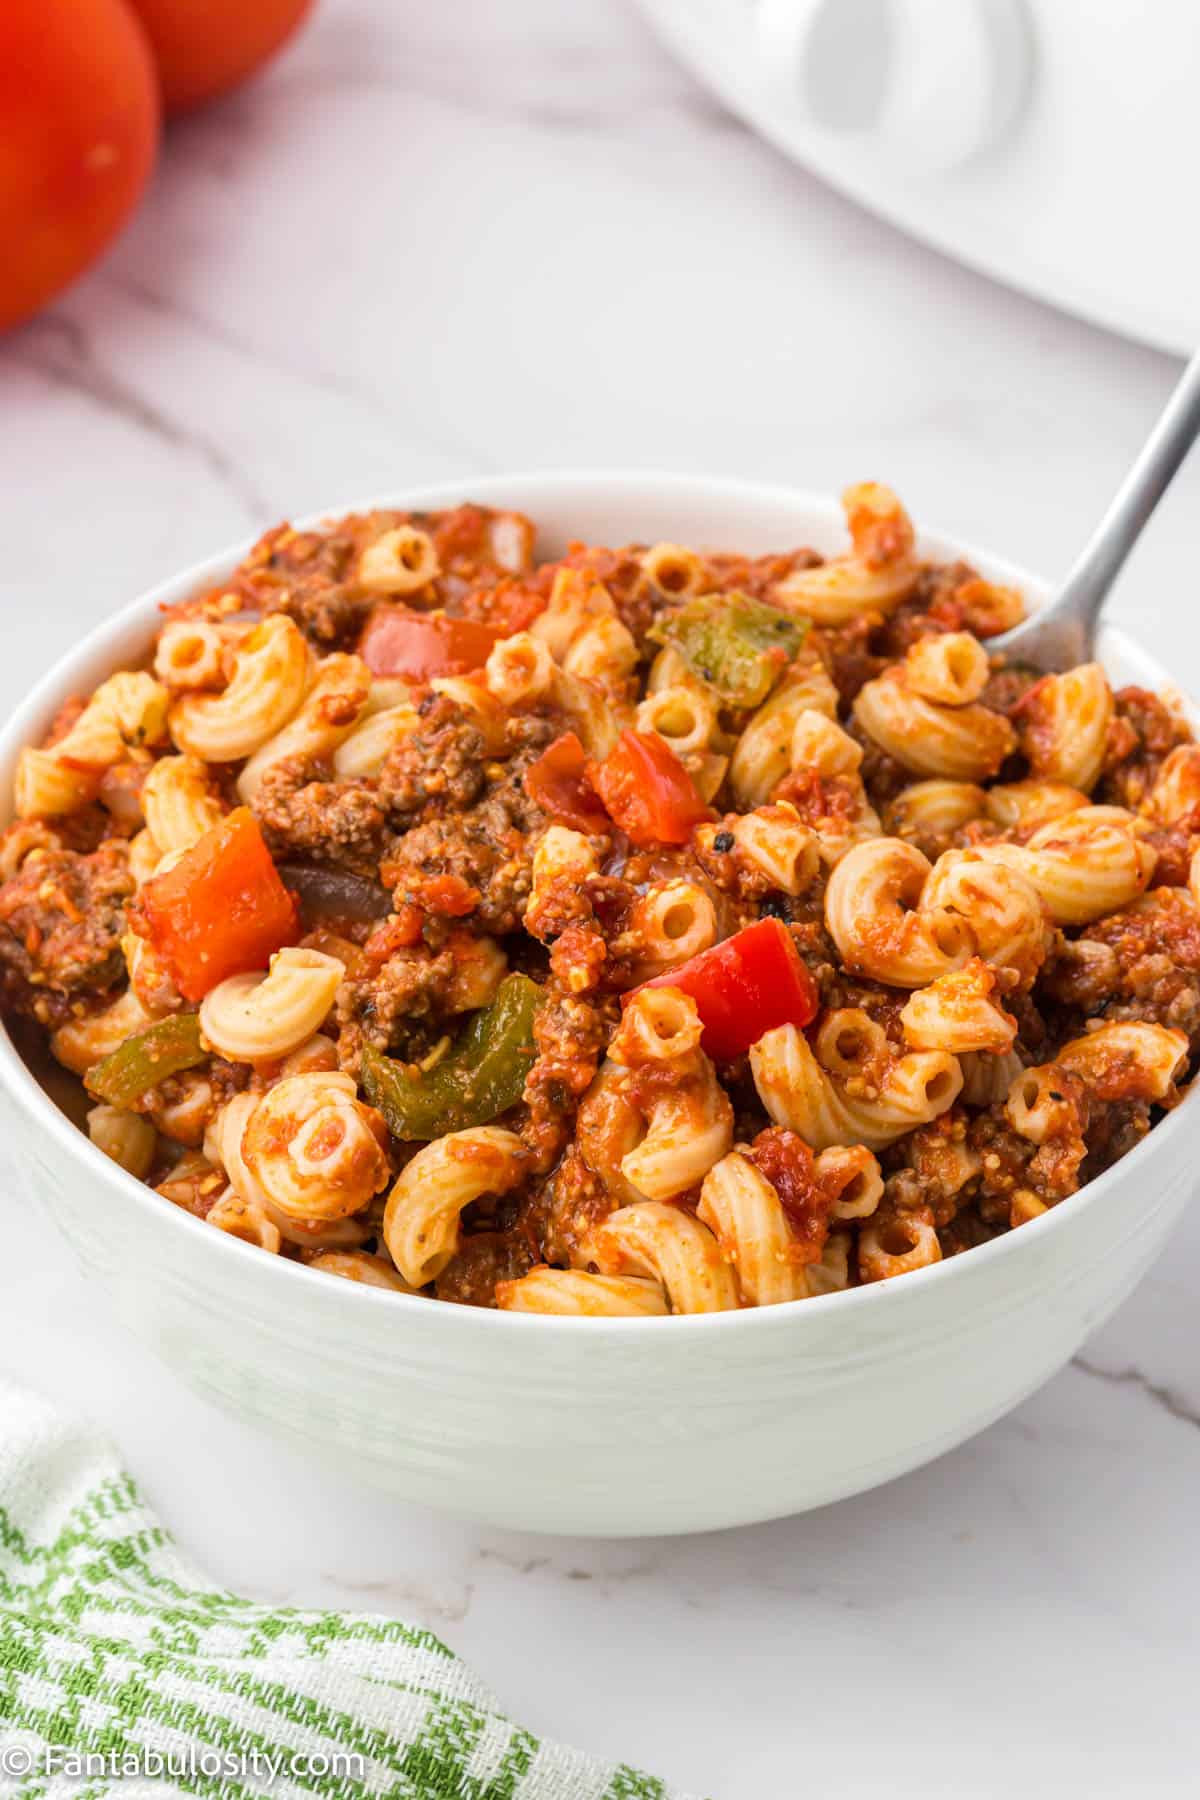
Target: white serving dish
[610, 1427]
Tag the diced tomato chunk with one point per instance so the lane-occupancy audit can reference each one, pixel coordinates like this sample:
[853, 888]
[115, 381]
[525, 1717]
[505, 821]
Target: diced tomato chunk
[399, 931]
[647, 791]
[417, 646]
[787, 1162]
[449, 896]
[221, 910]
[558, 783]
[744, 987]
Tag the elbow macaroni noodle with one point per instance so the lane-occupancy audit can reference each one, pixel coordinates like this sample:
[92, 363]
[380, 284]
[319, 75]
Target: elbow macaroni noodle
[332, 708]
[421, 1222]
[260, 1017]
[876, 576]
[270, 674]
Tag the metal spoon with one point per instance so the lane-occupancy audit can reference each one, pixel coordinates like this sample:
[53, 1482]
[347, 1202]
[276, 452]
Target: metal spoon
[1062, 634]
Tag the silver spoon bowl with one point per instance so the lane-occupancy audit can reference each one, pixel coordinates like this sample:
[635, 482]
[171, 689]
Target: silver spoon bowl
[1062, 634]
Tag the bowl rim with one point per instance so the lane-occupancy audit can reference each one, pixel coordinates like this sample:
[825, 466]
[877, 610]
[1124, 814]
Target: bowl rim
[520, 490]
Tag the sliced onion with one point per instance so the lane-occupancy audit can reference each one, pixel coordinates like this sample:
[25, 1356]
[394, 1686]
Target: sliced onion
[335, 893]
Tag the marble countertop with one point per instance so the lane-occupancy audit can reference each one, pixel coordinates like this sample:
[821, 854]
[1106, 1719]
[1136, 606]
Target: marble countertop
[438, 242]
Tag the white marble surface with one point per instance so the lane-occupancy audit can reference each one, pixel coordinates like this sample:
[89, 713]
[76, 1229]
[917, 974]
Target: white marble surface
[441, 241]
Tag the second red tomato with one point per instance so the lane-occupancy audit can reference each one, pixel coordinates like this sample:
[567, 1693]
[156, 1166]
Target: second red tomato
[204, 48]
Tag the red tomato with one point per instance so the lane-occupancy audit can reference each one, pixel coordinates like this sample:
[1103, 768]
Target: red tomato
[449, 896]
[558, 783]
[647, 791]
[205, 47]
[751, 983]
[417, 646]
[78, 136]
[221, 910]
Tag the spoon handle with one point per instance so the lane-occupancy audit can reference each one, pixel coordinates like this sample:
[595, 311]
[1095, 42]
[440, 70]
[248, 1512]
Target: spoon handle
[1087, 586]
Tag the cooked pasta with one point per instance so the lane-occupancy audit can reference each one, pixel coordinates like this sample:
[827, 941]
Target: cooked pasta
[367, 745]
[401, 561]
[963, 743]
[1083, 865]
[127, 713]
[421, 1222]
[1175, 794]
[897, 1247]
[672, 1247]
[576, 600]
[144, 857]
[876, 913]
[743, 1211]
[674, 570]
[314, 1149]
[190, 654]
[358, 1265]
[269, 678]
[81, 1042]
[1024, 806]
[672, 922]
[655, 929]
[878, 573]
[605, 652]
[685, 716]
[1064, 726]
[260, 1017]
[931, 812]
[1005, 911]
[126, 1137]
[958, 1012]
[179, 804]
[576, 1293]
[522, 673]
[950, 669]
[245, 1220]
[332, 708]
[798, 1093]
[1135, 1060]
[763, 754]
[686, 1121]
[778, 846]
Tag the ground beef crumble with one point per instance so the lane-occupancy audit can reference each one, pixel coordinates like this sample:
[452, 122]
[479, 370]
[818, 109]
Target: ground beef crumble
[1142, 964]
[482, 1259]
[61, 919]
[403, 1003]
[568, 1208]
[487, 847]
[570, 1035]
[1142, 735]
[439, 764]
[304, 813]
[312, 575]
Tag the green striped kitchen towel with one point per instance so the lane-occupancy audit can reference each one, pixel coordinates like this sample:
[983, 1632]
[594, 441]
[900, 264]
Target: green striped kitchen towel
[124, 1671]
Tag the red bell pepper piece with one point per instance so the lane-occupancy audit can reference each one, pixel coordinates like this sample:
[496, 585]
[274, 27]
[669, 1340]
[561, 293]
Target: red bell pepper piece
[647, 791]
[221, 910]
[751, 983]
[418, 646]
[558, 783]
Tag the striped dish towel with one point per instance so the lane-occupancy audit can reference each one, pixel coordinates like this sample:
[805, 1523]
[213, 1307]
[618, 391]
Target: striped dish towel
[123, 1671]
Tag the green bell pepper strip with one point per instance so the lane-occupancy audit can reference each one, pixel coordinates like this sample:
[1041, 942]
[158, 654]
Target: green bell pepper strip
[141, 1062]
[739, 646]
[480, 1078]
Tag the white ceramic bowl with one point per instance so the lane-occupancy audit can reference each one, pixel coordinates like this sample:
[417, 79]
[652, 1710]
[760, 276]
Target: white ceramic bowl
[599, 1426]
